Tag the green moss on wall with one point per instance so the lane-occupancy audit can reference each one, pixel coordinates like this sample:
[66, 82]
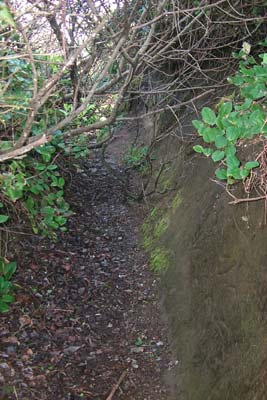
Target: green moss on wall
[154, 228]
[159, 259]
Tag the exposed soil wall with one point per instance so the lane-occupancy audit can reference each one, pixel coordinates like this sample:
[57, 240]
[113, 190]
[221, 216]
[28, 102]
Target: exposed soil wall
[215, 287]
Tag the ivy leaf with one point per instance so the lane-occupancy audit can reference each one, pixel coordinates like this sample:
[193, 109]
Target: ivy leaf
[3, 218]
[208, 116]
[218, 155]
[251, 164]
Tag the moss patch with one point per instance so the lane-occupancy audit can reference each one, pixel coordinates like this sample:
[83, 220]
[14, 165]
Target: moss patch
[154, 228]
[160, 259]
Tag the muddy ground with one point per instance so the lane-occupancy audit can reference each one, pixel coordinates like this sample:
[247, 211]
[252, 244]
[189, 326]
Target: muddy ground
[87, 314]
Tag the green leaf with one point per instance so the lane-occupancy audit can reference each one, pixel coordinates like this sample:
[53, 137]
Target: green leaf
[230, 150]
[237, 80]
[208, 116]
[244, 172]
[198, 125]
[9, 270]
[233, 133]
[220, 142]
[52, 167]
[40, 167]
[5, 15]
[3, 218]
[5, 286]
[14, 193]
[7, 298]
[234, 172]
[264, 58]
[61, 220]
[218, 155]
[232, 161]
[46, 157]
[61, 182]
[3, 307]
[251, 164]
[49, 211]
[221, 174]
[225, 108]
[209, 134]
[198, 149]
[207, 152]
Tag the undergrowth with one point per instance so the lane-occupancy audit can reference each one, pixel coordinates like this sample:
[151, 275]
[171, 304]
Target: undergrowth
[236, 123]
[32, 186]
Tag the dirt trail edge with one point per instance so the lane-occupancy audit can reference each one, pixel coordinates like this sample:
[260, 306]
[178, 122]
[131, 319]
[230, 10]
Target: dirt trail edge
[87, 322]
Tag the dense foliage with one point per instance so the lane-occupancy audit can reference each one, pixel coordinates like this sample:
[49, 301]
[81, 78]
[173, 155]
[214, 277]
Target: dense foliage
[237, 120]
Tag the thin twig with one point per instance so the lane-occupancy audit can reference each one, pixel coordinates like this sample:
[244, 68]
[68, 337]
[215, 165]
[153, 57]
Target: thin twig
[116, 386]
[248, 199]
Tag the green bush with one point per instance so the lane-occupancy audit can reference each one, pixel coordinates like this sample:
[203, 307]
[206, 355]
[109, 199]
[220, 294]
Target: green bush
[236, 121]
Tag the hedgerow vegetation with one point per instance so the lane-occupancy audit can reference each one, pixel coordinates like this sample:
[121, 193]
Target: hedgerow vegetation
[67, 69]
[240, 120]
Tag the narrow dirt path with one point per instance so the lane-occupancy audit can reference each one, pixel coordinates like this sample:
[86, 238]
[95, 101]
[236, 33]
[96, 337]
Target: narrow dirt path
[87, 312]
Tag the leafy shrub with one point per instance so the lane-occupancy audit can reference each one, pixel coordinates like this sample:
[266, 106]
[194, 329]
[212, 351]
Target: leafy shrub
[32, 186]
[236, 121]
